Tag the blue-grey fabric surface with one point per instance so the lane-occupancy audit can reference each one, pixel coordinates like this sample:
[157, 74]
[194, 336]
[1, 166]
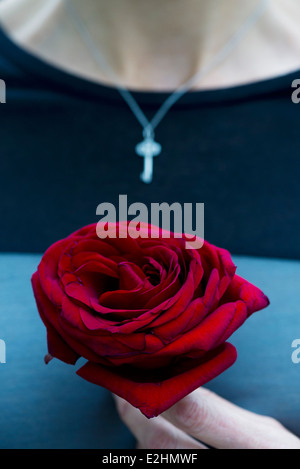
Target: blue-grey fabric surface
[51, 407]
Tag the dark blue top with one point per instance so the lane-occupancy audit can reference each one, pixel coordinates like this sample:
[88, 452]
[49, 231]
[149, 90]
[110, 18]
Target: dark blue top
[67, 145]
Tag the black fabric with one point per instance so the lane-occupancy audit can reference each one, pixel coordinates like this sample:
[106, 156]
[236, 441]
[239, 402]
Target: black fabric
[67, 144]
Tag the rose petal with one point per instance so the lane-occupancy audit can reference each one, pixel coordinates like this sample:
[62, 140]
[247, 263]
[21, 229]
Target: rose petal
[253, 297]
[153, 398]
[57, 347]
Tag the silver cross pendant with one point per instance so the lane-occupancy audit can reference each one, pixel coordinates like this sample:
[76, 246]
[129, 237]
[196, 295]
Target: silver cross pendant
[148, 149]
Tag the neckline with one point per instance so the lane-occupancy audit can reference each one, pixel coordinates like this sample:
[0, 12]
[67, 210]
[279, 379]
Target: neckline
[86, 88]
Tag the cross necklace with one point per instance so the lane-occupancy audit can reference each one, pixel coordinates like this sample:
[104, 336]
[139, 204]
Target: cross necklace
[149, 148]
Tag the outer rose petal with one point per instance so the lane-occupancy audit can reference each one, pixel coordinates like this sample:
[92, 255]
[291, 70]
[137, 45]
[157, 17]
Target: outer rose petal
[62, 345]
[253, 297]
[47, 271]
[56, 345]
[153, 398]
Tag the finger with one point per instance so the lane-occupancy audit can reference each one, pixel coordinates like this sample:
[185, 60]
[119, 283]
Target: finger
[155, 433]
[220, 424]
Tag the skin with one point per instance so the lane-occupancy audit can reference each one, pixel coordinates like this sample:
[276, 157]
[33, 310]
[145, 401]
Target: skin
[173, 41]
[207, 418]
[157, 45]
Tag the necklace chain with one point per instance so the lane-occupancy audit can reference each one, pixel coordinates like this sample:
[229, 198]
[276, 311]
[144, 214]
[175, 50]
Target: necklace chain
[149, 148]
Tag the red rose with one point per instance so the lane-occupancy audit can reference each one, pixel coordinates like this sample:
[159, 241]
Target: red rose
[150, 316]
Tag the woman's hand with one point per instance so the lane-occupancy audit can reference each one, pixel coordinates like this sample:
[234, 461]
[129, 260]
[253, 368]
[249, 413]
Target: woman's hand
[203, 418]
